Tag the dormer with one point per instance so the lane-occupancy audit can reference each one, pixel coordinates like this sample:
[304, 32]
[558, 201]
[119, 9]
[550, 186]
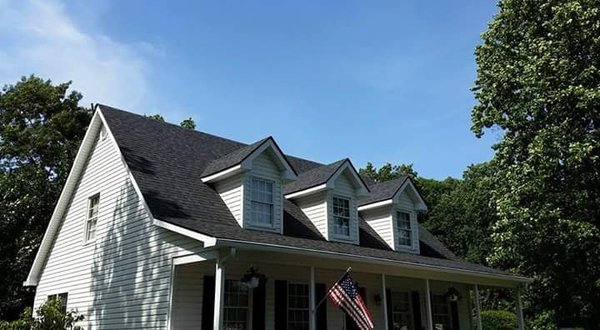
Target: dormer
[250, 181]
[328, 196]
[391, 210]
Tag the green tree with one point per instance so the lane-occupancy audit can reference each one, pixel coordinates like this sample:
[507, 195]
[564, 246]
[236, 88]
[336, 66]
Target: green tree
[188, 123]
[157, 117]
[387, 171]
[41, 126]
[538, 82]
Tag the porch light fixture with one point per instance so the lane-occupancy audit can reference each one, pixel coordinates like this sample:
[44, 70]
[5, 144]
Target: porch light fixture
[252, 279]
[452, 294]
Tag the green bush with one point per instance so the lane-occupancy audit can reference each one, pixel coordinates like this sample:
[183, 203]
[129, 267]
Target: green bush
[48, 317]
[498, 320]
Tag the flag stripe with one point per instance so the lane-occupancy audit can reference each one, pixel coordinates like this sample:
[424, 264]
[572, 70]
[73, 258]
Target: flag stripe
[358, 311]
[350, 310]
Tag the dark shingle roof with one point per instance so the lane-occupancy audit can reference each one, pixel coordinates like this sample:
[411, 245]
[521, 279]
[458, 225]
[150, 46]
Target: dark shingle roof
[383, 191]
[314, 177]
[167, 163]
[231, 159]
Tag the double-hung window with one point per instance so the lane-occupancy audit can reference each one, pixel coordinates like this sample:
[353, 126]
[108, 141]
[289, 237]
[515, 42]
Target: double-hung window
[341, 216]
[440, 308]
[235, 306]
[298, 310]
[92, 217]
[62, 298]
[402, 310]
[404, 228]
[262, 200]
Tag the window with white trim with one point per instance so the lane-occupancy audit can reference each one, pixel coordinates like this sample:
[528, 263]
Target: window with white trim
[262, 200]
[440, 310]
[404, 228]
[402, 315]
[62, 298]
[341, 216]
[92, 217]
[298, 309]
[235, 306]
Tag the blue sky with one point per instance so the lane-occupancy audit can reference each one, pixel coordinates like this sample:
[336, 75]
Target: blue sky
[384, 81]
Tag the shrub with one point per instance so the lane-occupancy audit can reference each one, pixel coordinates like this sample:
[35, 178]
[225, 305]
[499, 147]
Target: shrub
[48, 317]
[498, 320]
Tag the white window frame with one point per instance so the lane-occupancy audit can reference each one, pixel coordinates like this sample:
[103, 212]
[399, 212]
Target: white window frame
[399, 229]
[436, 314]
[408, 313]
[91, 220]
[335, 217]
[289, 309]
[64, 299]
[247, 307]
[251, 191]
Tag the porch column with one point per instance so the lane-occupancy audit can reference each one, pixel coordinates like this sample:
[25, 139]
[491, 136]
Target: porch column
[428, 305]
[219, 294]
[384, 300]
[312, 317]
[519, 310]
[477, 308]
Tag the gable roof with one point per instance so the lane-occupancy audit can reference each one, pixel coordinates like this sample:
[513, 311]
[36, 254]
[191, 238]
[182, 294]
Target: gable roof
[314, 177]
[167, 162]
[238, 156]
[383, 191]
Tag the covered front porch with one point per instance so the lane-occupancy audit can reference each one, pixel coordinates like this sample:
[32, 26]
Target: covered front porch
[207, 292]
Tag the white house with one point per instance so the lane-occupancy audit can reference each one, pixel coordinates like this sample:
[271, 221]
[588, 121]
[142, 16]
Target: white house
[164, 227]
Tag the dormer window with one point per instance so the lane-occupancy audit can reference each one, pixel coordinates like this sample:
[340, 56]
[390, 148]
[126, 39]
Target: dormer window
[341, 216]
[404, 228]
[261, 197]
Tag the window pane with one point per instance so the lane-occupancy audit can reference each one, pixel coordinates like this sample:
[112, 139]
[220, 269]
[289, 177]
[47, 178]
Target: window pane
[402, 311]
[235, 306]
[261, 195]
[298, 310]
[341, 216]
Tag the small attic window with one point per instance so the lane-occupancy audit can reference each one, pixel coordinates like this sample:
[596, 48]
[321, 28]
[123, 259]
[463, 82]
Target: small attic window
[261, 196]
[404, 229]
[341, 216]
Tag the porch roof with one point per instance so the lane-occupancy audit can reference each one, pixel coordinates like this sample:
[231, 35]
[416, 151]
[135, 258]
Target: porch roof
[167, 163]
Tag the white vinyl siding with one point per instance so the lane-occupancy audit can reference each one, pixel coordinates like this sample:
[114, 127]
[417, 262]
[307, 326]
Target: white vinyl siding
[264, 167]
[120, 280]
[315, 208]
[380, 219]
[187, 296]
[232, 193]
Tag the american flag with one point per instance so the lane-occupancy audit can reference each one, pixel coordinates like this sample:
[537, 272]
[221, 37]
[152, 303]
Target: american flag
[344, 294]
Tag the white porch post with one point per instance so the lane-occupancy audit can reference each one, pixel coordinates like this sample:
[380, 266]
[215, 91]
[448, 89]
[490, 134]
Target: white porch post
[219, 294]
[384, 301]
[428, 305]
[477, 308]
[519, 310]
[312, 325]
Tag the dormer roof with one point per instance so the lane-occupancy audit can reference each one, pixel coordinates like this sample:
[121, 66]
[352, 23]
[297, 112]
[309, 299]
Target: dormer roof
[319, 177]
[236, 160]
[385, 192]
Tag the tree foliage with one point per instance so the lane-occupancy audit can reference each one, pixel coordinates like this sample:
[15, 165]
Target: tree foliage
[50, 316]
[387, 171]
[538, 81]
[188, 123]
[41, 126]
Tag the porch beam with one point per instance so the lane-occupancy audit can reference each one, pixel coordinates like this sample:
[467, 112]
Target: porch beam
[312, 325]
[519, 310]
[428, 305]
[384, 300]
[477, 308]
[219, 294]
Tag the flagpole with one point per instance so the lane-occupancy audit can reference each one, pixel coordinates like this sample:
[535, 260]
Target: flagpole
[329, 292]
